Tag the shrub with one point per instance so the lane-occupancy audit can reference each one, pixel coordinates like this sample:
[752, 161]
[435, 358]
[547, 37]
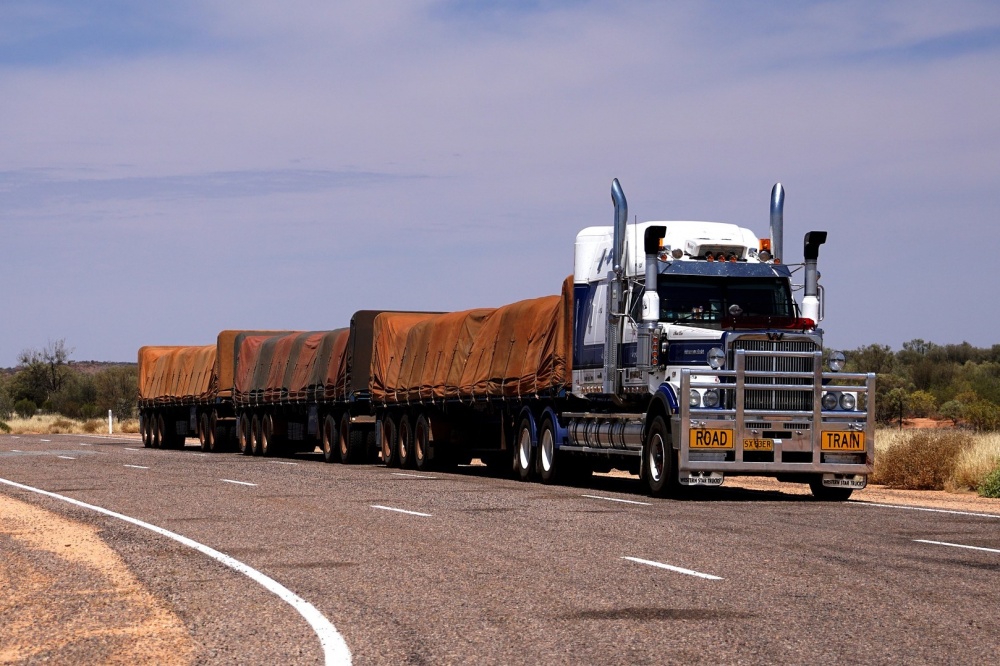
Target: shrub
[924, 461]
[25, 408]
[4, 427]
[990, 487]
[61, 426]
[93, 425]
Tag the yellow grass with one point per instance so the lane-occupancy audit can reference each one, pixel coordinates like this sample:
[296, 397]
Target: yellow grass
[53, 424]
[947, 459]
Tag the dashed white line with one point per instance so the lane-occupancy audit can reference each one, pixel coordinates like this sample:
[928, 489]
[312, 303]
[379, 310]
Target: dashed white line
[921, 508]
[128, 449]
[242, 483]
[670, 567]
[615, 499]
[135, 466]
[66, 457]
[413, 476]
[958, 545]
[45, 440]
[281, 462]
[335, 650]
[84, 443]
[16, 451]
[390, 508]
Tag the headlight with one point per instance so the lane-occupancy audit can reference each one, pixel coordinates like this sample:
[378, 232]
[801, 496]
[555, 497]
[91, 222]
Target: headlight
[848, 401]
[837, 361]
[694, 399]
[830, 401]
[711, 398]
[716, 358]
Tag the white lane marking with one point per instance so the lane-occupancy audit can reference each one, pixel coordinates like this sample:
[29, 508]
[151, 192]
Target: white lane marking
[84, 443]
[334, 646]
[66, 457]
[128, 449]
[45, 440]
[958, 545]
[16, 451]
[281, 462]
[413, 476]
[389, 508]
[242, 483]
[670, 567]
[135, 466]
[921, 508]
[615, 499]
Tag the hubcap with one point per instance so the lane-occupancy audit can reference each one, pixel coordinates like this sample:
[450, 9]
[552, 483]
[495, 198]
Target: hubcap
[656, 457]
[524, 449]
[548, 450]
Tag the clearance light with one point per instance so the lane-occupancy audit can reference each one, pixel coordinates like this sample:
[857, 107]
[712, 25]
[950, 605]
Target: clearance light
[765, 245]
[732, 258]
[662, 256]
[710, 256]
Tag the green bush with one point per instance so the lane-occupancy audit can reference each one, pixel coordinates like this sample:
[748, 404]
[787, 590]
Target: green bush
[925, 461]
[25, 408]
[4, 427]
[990, 487]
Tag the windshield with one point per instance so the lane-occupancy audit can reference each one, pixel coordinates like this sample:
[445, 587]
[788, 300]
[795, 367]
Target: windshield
[705, 301]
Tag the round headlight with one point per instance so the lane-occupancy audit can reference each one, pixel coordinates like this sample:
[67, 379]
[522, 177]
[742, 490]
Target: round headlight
[837, 361]
[694, 399]
[711, 398]
[830, 401]
[848, 401]
[716, 358]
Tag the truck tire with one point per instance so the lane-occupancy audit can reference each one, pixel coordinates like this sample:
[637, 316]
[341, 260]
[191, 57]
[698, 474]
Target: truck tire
[145, 429]
[390, 457]
[548, 469]
[524, 452]
[824, 494]
[159, 432]
[203, 431]
[422, 442]
[657, 459]
[404, 441]
[329, 440]
[243, 434]
[268, 445]
[350, 441]
[213, 432]
[255, 435]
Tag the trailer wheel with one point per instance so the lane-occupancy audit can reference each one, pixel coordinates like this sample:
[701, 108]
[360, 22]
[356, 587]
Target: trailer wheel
[524, 454]
[255, 435]
[390, 457]
[243, 433]
[159, 432]
[350, 441]
[329, 438]
[213, 432]
[268, 447]
[203, 441]
[422, 442]
[824, 494]
[548, 470]
[404, 441]
[657, 456]
[145, 429]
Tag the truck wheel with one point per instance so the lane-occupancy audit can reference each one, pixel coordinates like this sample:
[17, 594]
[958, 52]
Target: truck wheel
[404, 441]
[657, 456]
[159, 432]
[422, 442]
[547, 467]
[203, 431]
[329, 443]
[824, 494]
[390, 456]
[524, 453]
[267, 444]
[243, 434]
[213, 432]
[350, 441]
[255, 434]
[145, 430]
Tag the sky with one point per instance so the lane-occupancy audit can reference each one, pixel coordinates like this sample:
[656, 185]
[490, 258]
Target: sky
[172, 169]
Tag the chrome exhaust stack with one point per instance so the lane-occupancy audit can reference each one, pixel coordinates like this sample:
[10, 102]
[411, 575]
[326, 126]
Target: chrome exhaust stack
[810, 299]
[613, 331]
[777, 222]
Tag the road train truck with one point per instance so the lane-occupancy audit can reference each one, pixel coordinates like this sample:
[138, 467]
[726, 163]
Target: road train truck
[688, 359]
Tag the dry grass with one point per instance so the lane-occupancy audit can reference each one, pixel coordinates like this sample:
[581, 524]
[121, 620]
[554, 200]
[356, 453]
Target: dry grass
[53, 424]
[952, 460]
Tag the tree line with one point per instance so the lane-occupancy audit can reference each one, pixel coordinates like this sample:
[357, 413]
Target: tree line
[959, 382]
[45, 380]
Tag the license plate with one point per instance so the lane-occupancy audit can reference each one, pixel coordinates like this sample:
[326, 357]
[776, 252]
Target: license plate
[758, 445]
[843, 441]
[711, 438]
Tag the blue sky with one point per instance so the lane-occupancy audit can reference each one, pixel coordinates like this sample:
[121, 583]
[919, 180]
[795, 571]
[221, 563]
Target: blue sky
[173, 169]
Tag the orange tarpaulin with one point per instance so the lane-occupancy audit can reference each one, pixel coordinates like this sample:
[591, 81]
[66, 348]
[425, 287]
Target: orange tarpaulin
[389, 333]
[225, 358]
[292, 366]
[176, 374]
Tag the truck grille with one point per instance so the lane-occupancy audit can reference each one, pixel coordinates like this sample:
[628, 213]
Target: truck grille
[766, 356]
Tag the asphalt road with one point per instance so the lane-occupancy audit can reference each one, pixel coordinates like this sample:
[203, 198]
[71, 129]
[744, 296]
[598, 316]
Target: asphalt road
[485, 570]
